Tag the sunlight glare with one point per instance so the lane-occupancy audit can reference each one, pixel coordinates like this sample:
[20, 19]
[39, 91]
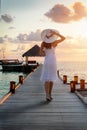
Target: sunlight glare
[82, 28]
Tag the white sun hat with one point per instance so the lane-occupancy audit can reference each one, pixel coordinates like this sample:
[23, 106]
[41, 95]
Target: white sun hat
[47, 36]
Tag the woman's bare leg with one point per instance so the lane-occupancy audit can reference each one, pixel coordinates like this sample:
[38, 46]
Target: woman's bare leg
[47, 88]
[50, 88]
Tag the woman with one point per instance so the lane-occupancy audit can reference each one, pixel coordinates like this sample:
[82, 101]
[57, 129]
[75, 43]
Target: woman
[50, 39]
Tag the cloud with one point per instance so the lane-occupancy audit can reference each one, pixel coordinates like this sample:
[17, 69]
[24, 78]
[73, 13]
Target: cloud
[11, 28]
[6, 36]
[62, 14]
[1, 40]
[33, 36]
[22, 37]
[7, 18]
[80, 11]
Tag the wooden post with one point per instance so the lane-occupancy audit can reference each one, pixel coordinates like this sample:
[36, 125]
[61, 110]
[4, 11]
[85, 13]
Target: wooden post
[82, 84]
[26, 59]
[72, 86]
[76, 79]
[21, 79]
[12, 86]
[64, 79]
[37, 64]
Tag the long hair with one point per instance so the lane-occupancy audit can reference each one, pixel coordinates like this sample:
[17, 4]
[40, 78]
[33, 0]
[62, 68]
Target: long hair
[47, 45]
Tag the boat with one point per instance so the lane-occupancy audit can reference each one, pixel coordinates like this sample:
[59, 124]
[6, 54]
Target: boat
[11, 65]
[16, 65]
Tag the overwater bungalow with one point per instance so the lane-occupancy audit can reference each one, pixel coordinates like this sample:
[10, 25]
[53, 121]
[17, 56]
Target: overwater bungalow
[34, 51]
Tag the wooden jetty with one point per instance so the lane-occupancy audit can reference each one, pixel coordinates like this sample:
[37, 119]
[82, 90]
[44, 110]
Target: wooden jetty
[28, 110]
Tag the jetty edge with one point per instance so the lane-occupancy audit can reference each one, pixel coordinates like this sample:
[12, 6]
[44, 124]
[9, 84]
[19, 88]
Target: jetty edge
[7, 95]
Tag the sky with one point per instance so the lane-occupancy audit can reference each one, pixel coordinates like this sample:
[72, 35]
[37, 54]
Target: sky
[21, 23]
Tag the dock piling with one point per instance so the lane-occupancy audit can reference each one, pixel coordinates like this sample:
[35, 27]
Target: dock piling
[76, 79]
[21, 79]
[72, 86]
[12, 86]
[82, 84]
[64, 79]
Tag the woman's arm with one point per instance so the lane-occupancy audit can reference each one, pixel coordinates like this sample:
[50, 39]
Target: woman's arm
[62, 38]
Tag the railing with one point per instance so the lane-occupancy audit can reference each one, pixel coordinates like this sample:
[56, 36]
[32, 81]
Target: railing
[73, 82]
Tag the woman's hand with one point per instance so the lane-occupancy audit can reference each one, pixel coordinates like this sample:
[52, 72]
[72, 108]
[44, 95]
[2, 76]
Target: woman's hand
[54, 32]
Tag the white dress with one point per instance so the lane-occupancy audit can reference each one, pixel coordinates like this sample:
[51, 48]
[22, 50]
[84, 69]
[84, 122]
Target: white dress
[49, 70]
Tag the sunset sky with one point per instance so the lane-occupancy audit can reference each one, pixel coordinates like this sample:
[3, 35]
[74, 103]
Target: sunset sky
[21, 23]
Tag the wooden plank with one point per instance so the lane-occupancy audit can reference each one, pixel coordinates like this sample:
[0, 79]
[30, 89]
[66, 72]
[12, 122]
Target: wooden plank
[28, 110]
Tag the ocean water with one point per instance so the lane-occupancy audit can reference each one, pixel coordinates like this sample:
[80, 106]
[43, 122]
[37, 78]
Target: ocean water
[70, 69]
[5, 78]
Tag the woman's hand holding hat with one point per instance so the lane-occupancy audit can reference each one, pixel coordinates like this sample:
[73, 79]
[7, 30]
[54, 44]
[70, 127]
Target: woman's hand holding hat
[49, 35]
[54, 32]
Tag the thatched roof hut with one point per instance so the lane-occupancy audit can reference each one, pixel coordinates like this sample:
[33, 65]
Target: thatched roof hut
[34, 51]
